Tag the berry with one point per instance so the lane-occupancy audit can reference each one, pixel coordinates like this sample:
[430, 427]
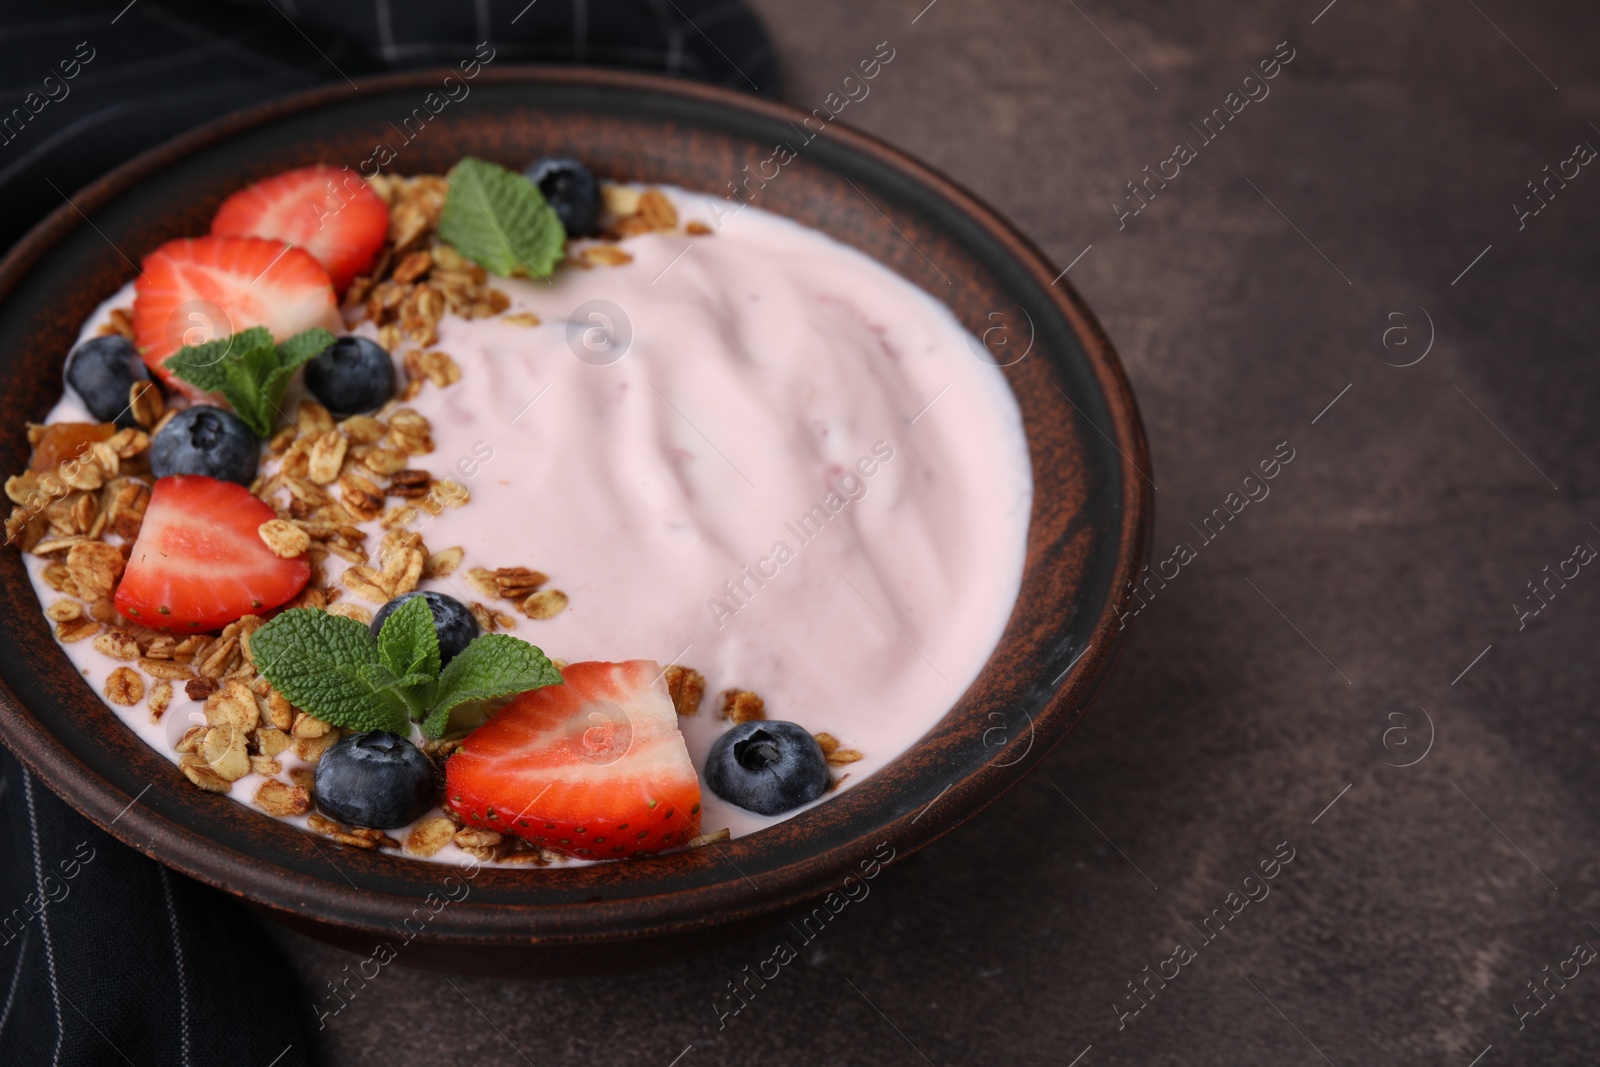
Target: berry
[351, 376]
[202, 289]
[571, 189]
[206, 440]
[101, 371]
[767, 767]
[331, 213]
[455, 625]
[376, 780]
[199, 562]
[594, 767]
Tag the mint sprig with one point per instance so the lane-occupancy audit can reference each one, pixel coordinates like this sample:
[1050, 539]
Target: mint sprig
[333, 668]
[500, 220]
[493, 665]
[248, 370]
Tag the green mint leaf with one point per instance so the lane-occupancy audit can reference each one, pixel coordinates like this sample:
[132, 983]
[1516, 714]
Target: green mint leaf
[204, 366]
[328, 665]
[249, 370]
[500, 220]
[273, 378]
[493, 665]
[391, 692]
[241, 387]
[433, 726]
[303, 346]
[408, 645]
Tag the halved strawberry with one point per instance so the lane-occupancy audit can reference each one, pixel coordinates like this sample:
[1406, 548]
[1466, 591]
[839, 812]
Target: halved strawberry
[595, 767]
[199, 289]
[329, 212]
[199, 562]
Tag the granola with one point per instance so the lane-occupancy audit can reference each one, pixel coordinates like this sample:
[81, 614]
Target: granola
[741, 705]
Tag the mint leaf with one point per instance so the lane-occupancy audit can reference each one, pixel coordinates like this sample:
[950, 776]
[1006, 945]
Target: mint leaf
[249, 370]
[205, 366]
[242, 389]
[303, 346]
[500, 220]
[408, 645]
[433, 726]
[329, 666]
[493, 665]
[334, 668]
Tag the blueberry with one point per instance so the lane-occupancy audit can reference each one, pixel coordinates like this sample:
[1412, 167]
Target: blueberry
[101, 371]
[377, 780]
[206, 440]
[767, 767]
[571, 190]
[455, 625]
[351, 376]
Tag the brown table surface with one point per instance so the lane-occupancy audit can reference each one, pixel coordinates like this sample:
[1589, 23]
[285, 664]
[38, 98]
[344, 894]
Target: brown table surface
[1252, 293]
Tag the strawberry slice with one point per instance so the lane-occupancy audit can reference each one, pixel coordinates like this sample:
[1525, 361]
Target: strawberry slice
[594, 768]
[201, 289]
[329, 212]
[199, 562]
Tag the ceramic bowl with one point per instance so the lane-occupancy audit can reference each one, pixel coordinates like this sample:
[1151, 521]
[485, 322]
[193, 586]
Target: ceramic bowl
[1086, 539]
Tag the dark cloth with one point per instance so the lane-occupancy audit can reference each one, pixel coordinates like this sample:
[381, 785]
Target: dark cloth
[105, 956]
[110, 958]
[143, 71]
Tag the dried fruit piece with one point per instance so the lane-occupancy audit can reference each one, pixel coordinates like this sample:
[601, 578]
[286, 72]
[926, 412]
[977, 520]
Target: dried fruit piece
[63, 441]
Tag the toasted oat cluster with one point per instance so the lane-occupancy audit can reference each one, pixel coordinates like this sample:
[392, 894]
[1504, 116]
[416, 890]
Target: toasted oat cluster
[417, 279]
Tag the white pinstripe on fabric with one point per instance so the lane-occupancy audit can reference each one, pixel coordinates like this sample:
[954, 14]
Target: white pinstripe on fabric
[44, 917]
[16, 979]
[183, 975]
[385, 23]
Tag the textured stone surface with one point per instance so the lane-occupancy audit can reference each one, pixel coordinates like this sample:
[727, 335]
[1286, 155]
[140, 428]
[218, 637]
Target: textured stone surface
[1414, 513]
